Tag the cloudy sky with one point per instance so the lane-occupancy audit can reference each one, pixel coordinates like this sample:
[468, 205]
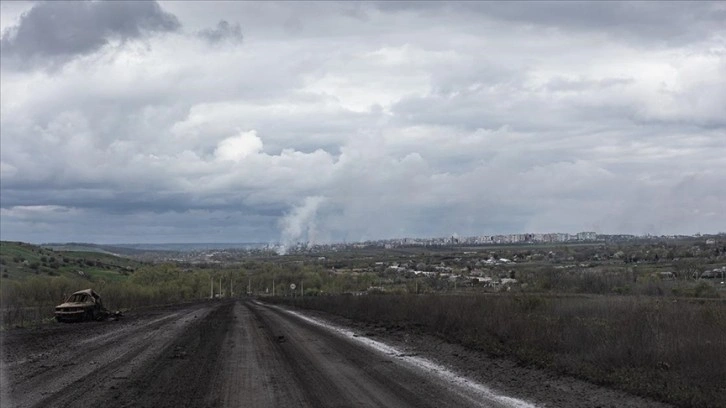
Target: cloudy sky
[133, 122]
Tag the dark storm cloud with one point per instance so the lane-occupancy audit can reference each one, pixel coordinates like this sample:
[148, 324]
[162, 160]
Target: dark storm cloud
[118, 200]
[663, 20]
[669, 22]
[59, 31]
[223, 31]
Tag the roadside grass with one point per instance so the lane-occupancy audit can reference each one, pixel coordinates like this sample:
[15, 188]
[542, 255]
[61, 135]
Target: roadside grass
[672, 350]
[106, 275]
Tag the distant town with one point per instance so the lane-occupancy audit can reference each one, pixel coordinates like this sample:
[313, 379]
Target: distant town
[504, 239]
[229, 252]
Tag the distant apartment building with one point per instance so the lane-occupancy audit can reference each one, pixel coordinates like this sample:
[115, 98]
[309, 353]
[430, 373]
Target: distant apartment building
[586, 236]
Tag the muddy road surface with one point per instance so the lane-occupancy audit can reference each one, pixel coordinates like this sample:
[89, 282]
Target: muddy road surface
[228, 354]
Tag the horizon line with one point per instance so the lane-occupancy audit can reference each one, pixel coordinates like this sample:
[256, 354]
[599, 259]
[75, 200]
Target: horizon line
[279, 243]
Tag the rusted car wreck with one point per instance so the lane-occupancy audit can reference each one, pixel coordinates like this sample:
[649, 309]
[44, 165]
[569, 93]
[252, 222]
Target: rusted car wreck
[84, 305]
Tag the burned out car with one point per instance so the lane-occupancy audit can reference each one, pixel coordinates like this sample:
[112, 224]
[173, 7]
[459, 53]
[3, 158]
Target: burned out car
[84, 305]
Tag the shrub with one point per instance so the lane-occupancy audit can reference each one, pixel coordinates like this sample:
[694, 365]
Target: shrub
[705, 290]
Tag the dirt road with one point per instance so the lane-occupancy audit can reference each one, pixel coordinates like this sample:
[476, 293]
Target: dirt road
[225, 354]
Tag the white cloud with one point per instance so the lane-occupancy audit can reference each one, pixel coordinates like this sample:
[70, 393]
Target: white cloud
[238, 147]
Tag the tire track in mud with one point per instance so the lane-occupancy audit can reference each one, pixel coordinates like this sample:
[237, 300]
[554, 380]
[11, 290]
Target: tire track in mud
[327, 373]
[229, 359]
[181, 374]
[253, 372]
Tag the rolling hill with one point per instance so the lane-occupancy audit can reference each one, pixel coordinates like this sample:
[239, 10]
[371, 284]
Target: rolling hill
[19, 261]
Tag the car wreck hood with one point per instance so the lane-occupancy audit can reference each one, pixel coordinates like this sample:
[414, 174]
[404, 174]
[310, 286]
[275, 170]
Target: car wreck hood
[74, 304]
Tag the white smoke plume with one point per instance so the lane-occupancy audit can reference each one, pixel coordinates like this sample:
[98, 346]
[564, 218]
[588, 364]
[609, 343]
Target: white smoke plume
[299, 225]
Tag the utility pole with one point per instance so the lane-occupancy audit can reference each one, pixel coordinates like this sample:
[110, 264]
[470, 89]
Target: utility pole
[249, 286]
[231, 290]
[273, 288]
[211, 287]
[220, 286]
